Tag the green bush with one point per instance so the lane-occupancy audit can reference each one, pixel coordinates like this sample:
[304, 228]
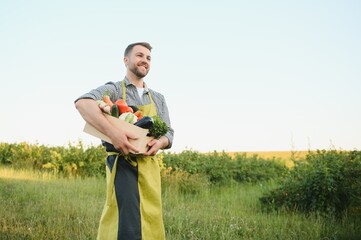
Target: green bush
[24, 155]
[6, 153]
[78, 160]
[221, 168]
[328, 182]
[255, 169]
[73, 160]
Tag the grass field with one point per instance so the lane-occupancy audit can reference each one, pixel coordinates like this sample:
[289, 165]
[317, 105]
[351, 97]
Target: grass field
[40, 206]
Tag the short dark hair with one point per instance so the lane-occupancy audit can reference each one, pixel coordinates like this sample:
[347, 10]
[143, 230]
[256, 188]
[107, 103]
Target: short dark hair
[131, 46]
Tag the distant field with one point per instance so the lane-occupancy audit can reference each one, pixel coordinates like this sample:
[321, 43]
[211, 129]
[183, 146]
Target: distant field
[285, 156]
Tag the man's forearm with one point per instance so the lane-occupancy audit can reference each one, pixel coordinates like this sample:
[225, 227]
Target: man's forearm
[91, 113]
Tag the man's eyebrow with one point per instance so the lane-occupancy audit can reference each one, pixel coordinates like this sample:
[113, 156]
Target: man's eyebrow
[148, 56]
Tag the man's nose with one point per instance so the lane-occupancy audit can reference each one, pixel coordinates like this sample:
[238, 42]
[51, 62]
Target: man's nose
[145, 60]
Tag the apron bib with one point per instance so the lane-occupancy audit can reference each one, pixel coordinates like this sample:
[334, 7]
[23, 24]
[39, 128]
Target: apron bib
[133, 208]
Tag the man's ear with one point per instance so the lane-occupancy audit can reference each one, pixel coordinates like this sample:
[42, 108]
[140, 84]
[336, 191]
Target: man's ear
[126, 61]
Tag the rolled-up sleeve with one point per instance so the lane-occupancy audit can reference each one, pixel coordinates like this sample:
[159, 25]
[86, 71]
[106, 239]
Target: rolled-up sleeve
[98, 93]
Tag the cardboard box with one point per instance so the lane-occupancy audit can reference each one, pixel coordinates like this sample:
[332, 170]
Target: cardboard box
[141, 133]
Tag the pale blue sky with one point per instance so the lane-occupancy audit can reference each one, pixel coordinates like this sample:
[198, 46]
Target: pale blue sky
[237, 75]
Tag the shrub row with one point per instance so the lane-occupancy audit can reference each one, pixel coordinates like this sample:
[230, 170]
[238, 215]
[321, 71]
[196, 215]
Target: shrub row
[73, 160]
[218, 168]
[221, 168]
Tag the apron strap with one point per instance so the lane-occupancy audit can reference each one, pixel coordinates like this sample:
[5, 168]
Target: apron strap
[150, 98]
[124, 93]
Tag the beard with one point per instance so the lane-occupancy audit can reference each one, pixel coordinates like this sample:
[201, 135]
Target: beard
[135, 70]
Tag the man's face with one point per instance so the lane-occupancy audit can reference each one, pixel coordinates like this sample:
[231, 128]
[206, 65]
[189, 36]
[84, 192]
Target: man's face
[138, 61]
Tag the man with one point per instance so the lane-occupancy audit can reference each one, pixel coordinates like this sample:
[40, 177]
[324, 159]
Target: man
[133, 208]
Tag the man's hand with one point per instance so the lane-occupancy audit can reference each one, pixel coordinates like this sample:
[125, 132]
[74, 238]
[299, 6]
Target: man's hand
[155, 145]
[120, 140]
[90, 111]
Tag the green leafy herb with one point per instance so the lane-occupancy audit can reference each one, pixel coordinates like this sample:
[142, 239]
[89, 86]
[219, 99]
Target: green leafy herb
[159, 128]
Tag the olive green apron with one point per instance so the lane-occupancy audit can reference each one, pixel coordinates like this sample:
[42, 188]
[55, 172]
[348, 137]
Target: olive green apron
[149, 188]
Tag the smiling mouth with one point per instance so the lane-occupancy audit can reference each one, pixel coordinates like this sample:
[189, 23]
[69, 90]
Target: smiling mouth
[142, 66]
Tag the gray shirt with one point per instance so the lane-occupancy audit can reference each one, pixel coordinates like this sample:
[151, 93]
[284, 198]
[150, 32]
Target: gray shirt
[114, 90]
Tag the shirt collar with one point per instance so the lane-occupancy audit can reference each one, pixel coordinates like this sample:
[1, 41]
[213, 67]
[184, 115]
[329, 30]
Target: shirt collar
[127, 83]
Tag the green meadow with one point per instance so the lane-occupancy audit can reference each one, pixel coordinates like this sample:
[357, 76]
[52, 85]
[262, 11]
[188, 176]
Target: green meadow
[59, 192]
[40, 206]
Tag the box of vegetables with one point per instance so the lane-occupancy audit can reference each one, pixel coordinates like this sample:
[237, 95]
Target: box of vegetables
[129, 118]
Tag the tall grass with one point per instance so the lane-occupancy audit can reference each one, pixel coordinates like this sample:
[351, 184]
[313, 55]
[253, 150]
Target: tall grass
[35, 206]
[233, 212]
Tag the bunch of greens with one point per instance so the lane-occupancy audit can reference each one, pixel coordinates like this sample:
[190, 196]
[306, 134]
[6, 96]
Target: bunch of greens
[159, 128]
